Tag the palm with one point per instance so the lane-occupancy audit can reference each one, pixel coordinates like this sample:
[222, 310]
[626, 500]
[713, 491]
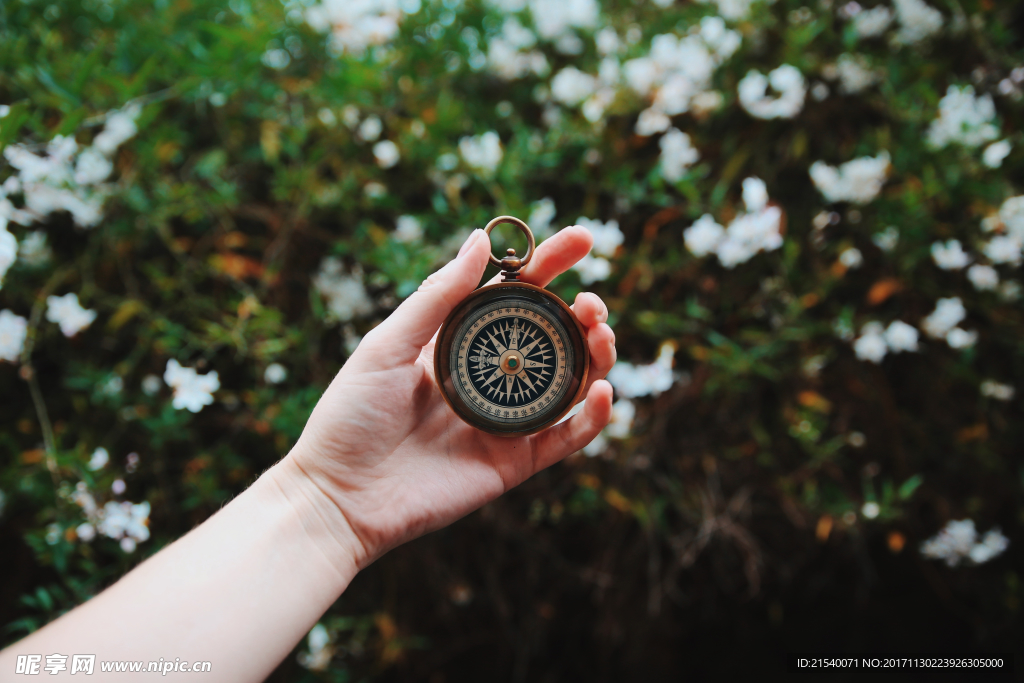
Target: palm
[394, 457]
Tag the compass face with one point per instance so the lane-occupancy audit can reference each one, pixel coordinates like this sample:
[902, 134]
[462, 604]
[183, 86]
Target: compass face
[508, 362]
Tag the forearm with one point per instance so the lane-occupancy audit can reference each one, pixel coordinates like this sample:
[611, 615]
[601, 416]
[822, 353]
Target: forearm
[239, 591]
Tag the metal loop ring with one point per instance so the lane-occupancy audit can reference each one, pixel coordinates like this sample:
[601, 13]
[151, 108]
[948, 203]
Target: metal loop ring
[532, 244]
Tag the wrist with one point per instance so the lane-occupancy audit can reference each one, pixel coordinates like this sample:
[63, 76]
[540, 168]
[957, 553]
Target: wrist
[318, 517]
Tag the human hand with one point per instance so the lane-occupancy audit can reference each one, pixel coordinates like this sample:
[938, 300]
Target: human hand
[386, 452]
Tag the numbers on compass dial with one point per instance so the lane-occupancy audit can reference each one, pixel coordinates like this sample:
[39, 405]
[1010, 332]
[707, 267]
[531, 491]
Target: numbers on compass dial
[511, 361]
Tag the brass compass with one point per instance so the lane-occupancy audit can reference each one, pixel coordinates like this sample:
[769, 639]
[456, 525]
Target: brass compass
[511, 359]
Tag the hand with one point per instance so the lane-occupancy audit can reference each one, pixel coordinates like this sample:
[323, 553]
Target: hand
[385, 450]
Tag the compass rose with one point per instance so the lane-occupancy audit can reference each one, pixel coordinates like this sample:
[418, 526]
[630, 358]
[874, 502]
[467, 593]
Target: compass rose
[511, 361]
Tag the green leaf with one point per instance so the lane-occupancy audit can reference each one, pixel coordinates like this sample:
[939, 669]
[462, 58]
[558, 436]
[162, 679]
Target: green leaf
[908, 487]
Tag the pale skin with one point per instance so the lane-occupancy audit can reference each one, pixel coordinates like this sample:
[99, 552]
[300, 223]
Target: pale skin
[382, 460]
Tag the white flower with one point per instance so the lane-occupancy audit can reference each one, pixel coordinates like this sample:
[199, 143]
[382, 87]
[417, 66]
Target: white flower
[8, 250]
[1010, 290]
[704, 236]
[1003, 249]
[858, 181]
[1011, 214]
[996, 390]
[276, 58]
[623, 412]
[677, 154]
[887, 239]
[917, 21]
[607, 41]
[786, 80]
[387, 154]
[651, 121]
[872, 23]
[949, 255]
[870, 509]
[482, 152]
[374, 190]
[92, 167]
[983, 277]
[593, 269]
[557, 19]
[350, 116]
[275, 374]
[631, 380]
[119, 128]
[355, 25]
[13, 329]
[33, 250]
[755, 194]
[750, 233]
[320, 651]
[191, 390]
[151, 385]
[128, 545]
[958, 542]
[571, 86]
[370, 129]
[607, 236]
[327, 117]
[509, 54]
[346, 294]
[963, 119]
[542, 212]
[900, 336]
[854, 74]
[995, 153]
[992, 545]
[68, 313]
[947, 314]
[676, 74]
[408, 229]
[733, 10]
[851, 258]
[722, 41]
[961, 339]
[118, 487]
[871, 345]
[85, 532]
[85, 500]
[124, 520]
[746, 235]
[100, 458]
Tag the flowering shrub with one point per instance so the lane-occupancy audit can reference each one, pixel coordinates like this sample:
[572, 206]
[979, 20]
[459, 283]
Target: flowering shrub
[808, 224]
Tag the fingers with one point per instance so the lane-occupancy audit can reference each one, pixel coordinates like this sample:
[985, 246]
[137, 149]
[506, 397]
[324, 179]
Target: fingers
[590, 309]
[401, 337]
[555, 256]
[565, 438]
[601, 340]
[593, 313]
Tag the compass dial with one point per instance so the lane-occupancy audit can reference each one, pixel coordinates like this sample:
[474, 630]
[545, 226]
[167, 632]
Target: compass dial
[509, 361]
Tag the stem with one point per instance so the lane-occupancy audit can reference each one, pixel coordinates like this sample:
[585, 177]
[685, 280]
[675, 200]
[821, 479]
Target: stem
[28, 372]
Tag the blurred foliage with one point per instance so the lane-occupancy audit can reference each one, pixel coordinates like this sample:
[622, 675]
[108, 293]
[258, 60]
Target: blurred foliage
[733, 509]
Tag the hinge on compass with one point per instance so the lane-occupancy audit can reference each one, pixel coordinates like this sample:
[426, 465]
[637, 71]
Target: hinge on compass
[510, 266]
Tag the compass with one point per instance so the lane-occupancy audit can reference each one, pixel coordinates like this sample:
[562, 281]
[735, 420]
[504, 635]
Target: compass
[511, 359]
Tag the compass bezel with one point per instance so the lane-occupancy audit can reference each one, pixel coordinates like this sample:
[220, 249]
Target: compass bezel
[552, 305]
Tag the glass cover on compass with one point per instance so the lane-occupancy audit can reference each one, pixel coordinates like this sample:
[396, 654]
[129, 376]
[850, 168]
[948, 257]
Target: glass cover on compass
[511, 359]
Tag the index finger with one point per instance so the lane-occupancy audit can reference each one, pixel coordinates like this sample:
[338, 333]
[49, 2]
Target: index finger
[554, 256]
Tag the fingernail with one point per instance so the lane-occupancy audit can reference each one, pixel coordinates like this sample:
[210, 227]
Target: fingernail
[469, 240]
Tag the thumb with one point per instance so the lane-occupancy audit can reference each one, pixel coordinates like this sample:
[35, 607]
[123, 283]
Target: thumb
[406, 331]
